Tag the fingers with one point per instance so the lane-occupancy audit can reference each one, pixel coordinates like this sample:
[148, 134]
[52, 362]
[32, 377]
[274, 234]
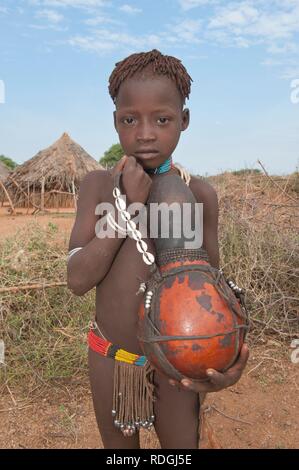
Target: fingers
[123, 161]
[199, 386]
[244, 355]
[128, 163]
[120, 165]
[242, 360]
[216, 378]
[232, 375]
[194, 386]
[132, 164]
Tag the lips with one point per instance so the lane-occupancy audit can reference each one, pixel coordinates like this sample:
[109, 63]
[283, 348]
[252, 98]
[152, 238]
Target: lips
[146, 151]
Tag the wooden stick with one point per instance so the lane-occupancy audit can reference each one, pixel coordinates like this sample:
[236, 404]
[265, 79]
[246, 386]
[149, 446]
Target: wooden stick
[74, 193]
[15, 408]
[42, 203]
[19, 187]
[230, 417]
[11, 396]
[280, 205]
[255, 367]
[60, 192]
[28, 197]
[274, 182]
[8, 197]
[281, 333]
[31, 287]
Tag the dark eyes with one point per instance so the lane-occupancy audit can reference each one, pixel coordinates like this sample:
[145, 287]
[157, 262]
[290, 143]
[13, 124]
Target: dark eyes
[163, 120]
[128, 121]
[131, 121]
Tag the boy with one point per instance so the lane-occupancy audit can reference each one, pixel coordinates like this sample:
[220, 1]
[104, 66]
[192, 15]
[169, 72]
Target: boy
[149, 91]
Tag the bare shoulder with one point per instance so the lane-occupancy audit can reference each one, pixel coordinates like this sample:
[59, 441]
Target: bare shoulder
[204, 192]
[94, 188]
[94, 181]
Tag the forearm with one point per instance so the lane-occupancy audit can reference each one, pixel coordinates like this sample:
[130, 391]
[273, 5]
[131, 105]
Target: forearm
[87, 267]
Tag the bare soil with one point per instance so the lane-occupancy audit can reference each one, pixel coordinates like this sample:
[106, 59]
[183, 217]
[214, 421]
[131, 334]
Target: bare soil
[9, 224]
[260, 411]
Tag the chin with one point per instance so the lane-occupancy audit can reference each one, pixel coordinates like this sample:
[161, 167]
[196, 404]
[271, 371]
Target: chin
[150, 161]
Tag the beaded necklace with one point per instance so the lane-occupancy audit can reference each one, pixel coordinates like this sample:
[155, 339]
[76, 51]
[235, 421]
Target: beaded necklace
[163, 168]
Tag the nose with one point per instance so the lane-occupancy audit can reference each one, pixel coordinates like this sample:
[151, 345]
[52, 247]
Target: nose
[146, 133]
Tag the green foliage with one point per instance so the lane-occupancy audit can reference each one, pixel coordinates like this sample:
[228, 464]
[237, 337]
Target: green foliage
[247, 171]
[8, 162]
[53, 228]
[112, 156]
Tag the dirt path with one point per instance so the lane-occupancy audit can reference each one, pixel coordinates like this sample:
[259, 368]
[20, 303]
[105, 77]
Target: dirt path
[9, 224]
[261, 411]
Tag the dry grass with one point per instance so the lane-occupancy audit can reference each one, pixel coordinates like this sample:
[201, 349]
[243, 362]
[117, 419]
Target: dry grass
[45, 330]
[259, 223]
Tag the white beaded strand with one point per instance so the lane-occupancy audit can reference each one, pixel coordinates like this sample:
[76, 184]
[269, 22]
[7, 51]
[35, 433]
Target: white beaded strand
[131, 230]
[114, 225]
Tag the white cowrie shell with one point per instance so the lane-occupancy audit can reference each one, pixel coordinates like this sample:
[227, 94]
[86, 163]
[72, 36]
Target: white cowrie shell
[120, 204]
[131, 225]
[116, 192]
[141, 246]
[125, 216]
[136, 235]
[148, 258]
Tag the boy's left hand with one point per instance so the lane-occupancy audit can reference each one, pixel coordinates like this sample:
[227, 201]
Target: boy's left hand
[216, 380]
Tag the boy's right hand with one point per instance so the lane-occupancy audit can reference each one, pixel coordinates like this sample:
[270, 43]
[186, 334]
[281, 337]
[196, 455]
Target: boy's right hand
[135, 181]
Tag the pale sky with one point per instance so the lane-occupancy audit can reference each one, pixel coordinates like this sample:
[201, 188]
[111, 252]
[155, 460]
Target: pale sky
[56, 57]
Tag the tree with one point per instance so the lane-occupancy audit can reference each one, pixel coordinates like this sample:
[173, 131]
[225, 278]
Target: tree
[112, 156]
[8, 162]
[247, 171]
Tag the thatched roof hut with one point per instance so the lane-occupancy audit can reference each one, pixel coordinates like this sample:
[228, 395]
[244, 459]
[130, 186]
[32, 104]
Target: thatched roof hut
[4, 171]
[51, 177]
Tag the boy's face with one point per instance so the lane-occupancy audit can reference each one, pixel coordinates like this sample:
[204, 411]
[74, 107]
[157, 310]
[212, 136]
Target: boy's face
[149, 119]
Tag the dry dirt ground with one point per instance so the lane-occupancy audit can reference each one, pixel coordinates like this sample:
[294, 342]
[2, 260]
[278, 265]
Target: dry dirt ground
[260, 411]
[9, 224]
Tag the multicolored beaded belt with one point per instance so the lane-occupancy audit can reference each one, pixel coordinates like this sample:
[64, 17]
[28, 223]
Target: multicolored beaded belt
[133, 387]
[108, 349]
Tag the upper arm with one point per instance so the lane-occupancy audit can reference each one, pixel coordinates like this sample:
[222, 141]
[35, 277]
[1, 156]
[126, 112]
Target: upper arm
[206, 194]
[90, 194]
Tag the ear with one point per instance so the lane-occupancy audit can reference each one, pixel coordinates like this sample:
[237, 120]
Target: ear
[185, 119]
[114, 119]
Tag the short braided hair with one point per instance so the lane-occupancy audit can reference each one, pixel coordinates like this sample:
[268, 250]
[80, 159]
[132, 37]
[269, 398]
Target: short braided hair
[158, 63]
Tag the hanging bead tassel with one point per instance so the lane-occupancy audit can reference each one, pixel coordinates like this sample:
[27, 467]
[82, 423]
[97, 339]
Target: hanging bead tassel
[133, 397]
